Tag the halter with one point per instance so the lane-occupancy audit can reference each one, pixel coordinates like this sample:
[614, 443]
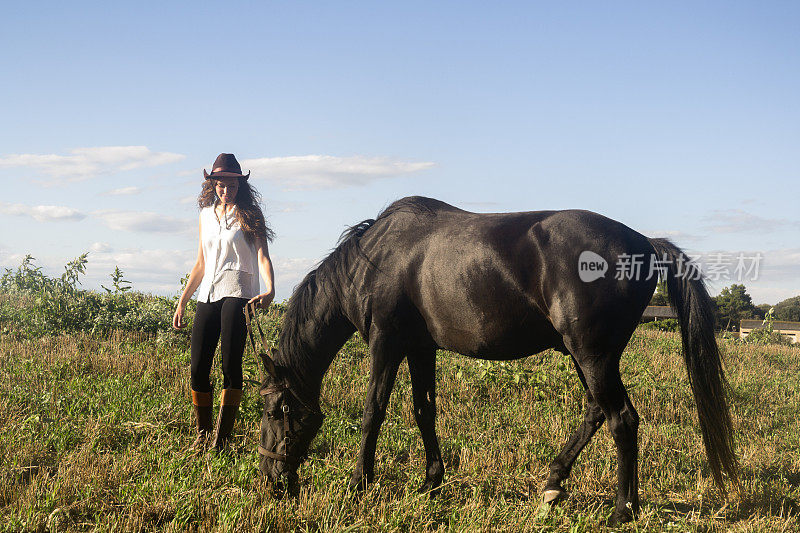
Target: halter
[288, 435]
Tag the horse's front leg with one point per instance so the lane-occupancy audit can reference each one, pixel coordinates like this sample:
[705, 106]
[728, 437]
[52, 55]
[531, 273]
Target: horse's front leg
[422, 367]
[385, 363]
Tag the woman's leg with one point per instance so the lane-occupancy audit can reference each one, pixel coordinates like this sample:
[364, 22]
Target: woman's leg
[234, 333]
[205, 334]
[234, 336]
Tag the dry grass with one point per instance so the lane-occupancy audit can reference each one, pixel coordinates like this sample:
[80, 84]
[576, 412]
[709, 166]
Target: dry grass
[93, 436]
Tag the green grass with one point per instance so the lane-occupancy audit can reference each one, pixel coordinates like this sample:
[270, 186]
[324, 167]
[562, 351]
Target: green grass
[94, 434]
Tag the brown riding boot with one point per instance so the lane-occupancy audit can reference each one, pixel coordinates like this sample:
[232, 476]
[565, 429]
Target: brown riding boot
[202, 410]
[228, 407]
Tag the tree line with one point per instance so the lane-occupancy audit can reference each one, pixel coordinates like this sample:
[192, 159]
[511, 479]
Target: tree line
[733, 304]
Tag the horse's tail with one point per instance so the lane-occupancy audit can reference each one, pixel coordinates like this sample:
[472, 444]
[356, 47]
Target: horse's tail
[690, 300]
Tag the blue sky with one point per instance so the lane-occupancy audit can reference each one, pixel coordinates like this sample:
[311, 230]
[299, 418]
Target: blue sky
[678, 119]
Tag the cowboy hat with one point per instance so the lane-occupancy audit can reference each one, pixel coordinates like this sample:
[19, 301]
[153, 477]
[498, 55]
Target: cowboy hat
[226, 166]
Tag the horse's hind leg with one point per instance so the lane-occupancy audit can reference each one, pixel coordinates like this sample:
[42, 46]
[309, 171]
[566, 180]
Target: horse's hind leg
[605, 384]
[422, 367]
[561, 466]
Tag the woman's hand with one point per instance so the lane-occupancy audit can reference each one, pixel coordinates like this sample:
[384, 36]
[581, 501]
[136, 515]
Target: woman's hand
[262, 300]
[177, 319]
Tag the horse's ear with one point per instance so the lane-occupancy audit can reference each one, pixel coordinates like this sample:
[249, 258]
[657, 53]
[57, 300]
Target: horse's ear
[269, 364]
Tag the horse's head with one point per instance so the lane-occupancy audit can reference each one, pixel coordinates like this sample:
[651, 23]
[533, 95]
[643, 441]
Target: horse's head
[288, 425]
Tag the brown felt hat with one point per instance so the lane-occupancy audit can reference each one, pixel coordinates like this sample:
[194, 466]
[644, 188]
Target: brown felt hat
[226, 166]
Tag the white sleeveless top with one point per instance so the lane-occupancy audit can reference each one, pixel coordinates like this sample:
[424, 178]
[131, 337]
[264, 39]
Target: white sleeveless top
[231, 262]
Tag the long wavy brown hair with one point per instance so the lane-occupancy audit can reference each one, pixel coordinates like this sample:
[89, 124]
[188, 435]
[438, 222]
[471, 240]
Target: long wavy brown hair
[248, 213]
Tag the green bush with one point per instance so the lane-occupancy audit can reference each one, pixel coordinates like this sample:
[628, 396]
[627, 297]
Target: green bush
[33, 304]
[767, 333]
[667, 324]
[764, 336]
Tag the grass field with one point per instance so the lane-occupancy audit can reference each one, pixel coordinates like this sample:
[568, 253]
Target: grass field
[93, 436]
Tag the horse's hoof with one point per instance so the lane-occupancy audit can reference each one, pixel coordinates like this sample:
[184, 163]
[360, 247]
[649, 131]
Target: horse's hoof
[620, 517]
[358, 484]
[431, 488]
[554, 495]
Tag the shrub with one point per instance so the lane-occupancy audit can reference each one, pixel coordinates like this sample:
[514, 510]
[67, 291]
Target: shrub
[667, 324]
[764, 336]
[34, 304]
[767, 333]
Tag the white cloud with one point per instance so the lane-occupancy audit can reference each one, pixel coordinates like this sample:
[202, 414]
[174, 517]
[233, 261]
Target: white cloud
[329, 172]
[289, 271]
[144, 222]
[43, 213]
[149, 270]
[278, 206]
[740, 221]
[124, 191]
[85, 163]
[493, 207]
[769, 294]
[101, 247]
[773, 277]
[154, 261]
[9, 259]
[673, 235]
[782, 265]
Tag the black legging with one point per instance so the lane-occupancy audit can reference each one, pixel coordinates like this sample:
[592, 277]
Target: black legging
[225, 316]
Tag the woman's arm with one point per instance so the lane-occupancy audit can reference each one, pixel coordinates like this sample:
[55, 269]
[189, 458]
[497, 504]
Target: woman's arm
[195, 277]
[267, 274]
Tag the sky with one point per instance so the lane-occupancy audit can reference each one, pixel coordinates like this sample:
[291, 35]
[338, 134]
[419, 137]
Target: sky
[678, 119]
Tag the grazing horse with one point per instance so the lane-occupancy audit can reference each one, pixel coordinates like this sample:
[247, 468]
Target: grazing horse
[425, 275]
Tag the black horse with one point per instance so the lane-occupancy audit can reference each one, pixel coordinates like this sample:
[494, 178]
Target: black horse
[425, 275]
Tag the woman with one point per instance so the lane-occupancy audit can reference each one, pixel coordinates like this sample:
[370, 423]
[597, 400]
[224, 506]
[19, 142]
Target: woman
[232, 252]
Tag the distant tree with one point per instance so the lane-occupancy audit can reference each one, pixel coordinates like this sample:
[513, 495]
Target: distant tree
[788, 309]
[734, 304]
[761, 310]
[660, 296]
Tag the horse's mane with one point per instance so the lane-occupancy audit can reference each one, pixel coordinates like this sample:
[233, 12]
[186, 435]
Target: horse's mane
[327, 280]
[322, 282]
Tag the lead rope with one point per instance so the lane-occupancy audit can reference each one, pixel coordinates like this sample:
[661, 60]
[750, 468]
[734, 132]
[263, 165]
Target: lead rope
[251, 308]
[247, 312]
